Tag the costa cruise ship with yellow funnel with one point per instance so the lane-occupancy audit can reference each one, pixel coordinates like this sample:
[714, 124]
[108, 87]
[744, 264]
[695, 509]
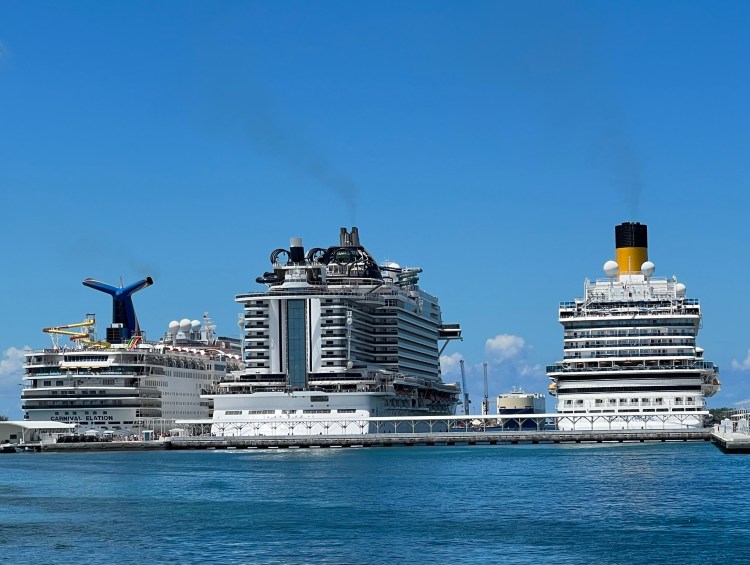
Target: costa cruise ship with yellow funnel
[630, 358]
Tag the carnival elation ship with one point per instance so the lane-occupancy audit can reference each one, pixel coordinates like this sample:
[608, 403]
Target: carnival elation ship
[335, 338]
[630, 358]
[124, 383]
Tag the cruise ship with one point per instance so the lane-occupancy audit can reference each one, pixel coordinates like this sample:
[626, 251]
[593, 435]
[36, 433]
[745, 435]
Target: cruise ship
[630, 358]
[124, 383]
[335, 340]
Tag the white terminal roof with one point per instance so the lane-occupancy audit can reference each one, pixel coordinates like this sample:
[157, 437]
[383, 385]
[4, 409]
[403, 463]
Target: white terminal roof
[38, 425]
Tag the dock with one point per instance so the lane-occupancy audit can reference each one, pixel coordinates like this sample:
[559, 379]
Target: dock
[100, 446]
[731, 442]
[438, 439]
[453, 438]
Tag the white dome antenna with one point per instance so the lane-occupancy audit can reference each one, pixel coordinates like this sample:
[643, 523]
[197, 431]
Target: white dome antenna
[648, 269]
[611, 268]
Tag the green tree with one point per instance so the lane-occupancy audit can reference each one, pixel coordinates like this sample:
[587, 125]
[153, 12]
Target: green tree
[718, 414]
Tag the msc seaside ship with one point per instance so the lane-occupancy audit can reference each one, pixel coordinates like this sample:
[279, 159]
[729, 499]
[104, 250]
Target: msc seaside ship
[630, 358]
[125, 383]
[334, 339]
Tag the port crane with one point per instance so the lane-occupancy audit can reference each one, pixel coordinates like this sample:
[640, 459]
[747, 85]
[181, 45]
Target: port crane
[486, 401]
[466, 392]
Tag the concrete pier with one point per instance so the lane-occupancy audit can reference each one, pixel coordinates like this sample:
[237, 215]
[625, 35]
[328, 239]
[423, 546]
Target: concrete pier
[389, 440]
[104, 446]
[432, 439]
[731, 442]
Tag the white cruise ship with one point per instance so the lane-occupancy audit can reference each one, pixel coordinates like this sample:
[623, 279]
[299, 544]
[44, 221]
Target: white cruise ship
[630, 358]
[334, 340]
[125, 384]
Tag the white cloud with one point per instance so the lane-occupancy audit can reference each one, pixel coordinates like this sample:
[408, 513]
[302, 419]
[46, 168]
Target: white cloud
[11, 375]
[450, 364]
[504, 347]
[525, 369]
[743, 365]
[11, 365]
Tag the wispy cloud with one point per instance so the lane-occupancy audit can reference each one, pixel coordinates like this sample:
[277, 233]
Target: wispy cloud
[743, 365]
[508, 360]
[503, 347]
[11, 366]
[450, 365]
[11, 375]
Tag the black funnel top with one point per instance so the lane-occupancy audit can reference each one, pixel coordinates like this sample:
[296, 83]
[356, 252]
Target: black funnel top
[631, 234]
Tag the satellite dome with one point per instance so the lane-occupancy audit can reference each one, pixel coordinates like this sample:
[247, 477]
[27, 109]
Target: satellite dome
[174, 325]
[679, 289]
[184, 325]
[611, 268]
[648, 269]
[195, 325]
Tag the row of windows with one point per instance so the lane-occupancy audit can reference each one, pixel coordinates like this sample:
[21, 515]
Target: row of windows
[310, 411]
[633, 401]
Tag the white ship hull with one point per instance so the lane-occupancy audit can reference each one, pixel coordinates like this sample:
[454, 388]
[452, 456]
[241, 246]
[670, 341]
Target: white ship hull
[309, 413]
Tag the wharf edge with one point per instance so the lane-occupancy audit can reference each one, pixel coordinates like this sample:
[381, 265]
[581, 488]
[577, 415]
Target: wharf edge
[392, 440]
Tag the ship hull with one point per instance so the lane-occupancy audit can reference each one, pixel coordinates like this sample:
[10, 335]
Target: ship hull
[313, 413]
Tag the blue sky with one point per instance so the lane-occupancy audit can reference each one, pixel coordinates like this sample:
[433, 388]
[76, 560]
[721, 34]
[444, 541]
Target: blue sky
[494, 144]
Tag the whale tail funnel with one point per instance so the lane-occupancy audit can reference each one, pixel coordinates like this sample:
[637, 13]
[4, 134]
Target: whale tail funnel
[124, 320]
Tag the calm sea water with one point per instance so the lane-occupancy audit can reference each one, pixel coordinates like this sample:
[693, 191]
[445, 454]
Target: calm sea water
[624, 503]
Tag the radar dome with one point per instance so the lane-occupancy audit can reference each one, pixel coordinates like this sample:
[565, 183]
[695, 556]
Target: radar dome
[679, 289]
[611, 268]
[648, 269]
[184, 325]
[174, 326]
[195, 325]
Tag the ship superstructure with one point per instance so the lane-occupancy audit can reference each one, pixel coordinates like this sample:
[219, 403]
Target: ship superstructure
[335, 337]
[519, 402]
[125, 383]
[630, 358]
